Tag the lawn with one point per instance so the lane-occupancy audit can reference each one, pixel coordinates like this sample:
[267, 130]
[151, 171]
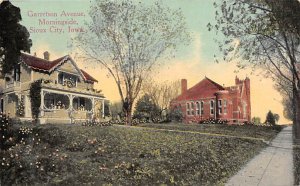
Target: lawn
[120, 155]
[251, 131]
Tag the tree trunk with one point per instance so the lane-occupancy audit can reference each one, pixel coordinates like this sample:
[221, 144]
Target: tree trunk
[128, 113]
[297, 119]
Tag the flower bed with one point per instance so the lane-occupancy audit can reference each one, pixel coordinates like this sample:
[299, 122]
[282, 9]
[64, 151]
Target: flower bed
[117, 155]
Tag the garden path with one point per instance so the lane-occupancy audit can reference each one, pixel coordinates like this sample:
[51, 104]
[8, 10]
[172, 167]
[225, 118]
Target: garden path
[273, 166]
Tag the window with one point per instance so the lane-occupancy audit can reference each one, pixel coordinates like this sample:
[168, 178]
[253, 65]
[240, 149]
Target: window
[212, 107]
[225, 106]
[197, 108]
[17, 73]
[188, 108]
[69, 80]
[202, 108]
[192, 108]
[220, 106]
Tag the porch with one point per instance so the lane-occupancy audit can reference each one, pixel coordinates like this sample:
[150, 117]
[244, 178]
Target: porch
[70, 107]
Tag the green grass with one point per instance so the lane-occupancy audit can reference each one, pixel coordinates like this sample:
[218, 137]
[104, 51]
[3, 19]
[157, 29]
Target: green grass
[251, 131]
[120, 155]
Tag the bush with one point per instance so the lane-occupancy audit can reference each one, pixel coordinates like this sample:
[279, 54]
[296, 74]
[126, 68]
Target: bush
[35, 98]
[5, 131]
[146, 109]
[213, 121]
[175, 115]
[95, 123]
[248, 123]
[270, 118]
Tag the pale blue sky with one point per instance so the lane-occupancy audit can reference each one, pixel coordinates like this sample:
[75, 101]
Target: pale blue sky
[198, 13]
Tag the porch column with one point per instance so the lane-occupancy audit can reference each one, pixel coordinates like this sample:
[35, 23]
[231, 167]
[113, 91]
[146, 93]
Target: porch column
[93, 105]
[93, 108]
[70, 109]
[70, 101]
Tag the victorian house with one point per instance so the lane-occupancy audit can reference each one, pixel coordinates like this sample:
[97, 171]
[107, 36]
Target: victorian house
[67, 93]
[209, 100]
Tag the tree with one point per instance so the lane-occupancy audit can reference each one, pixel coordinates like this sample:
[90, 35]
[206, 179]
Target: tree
[162, 93]
[14, 37]
[116, 110]
[276, 117]
[127, 38]
[175, 114]
[146, 109]
[261, 35]
[288, 108]
[256, 120]
[270, 119]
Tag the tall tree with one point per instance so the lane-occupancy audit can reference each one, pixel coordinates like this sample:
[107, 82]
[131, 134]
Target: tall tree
[127, 38]
[162, 93]
[14, 37]
[263, 34]
[145, 108]
[270, 118]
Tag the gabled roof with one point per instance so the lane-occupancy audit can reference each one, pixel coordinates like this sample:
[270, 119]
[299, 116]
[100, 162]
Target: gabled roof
[204, 89]
[87, 76]
[46, 66]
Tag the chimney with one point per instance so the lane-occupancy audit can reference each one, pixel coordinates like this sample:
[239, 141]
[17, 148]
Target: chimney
[237, 81]
[46, 55]
[183, 86]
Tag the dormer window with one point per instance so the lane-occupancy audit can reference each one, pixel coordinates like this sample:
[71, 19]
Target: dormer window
[67, 79]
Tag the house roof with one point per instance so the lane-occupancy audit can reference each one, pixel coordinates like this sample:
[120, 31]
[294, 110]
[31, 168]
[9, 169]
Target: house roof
[46, 66]
[204, 89]
[87, 76]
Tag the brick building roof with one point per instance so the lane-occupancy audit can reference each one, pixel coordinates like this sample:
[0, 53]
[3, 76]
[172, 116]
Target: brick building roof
[204, 89]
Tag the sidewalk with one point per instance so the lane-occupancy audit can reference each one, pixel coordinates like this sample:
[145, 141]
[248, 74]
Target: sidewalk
[273, 166]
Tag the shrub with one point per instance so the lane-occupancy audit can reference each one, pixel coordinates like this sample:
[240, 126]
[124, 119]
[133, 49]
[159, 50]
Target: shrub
[35, 98]
[270, 119]
[248, 123]
[256, 120]
[21, 107]
[5, 131]
[175, 115]
[213, 121]
[95, 123]
[146, 109]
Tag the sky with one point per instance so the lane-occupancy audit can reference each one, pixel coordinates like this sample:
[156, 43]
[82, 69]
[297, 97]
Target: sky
[192, 62]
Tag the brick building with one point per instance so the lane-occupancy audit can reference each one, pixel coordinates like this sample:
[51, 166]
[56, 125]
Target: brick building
[209, 100]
